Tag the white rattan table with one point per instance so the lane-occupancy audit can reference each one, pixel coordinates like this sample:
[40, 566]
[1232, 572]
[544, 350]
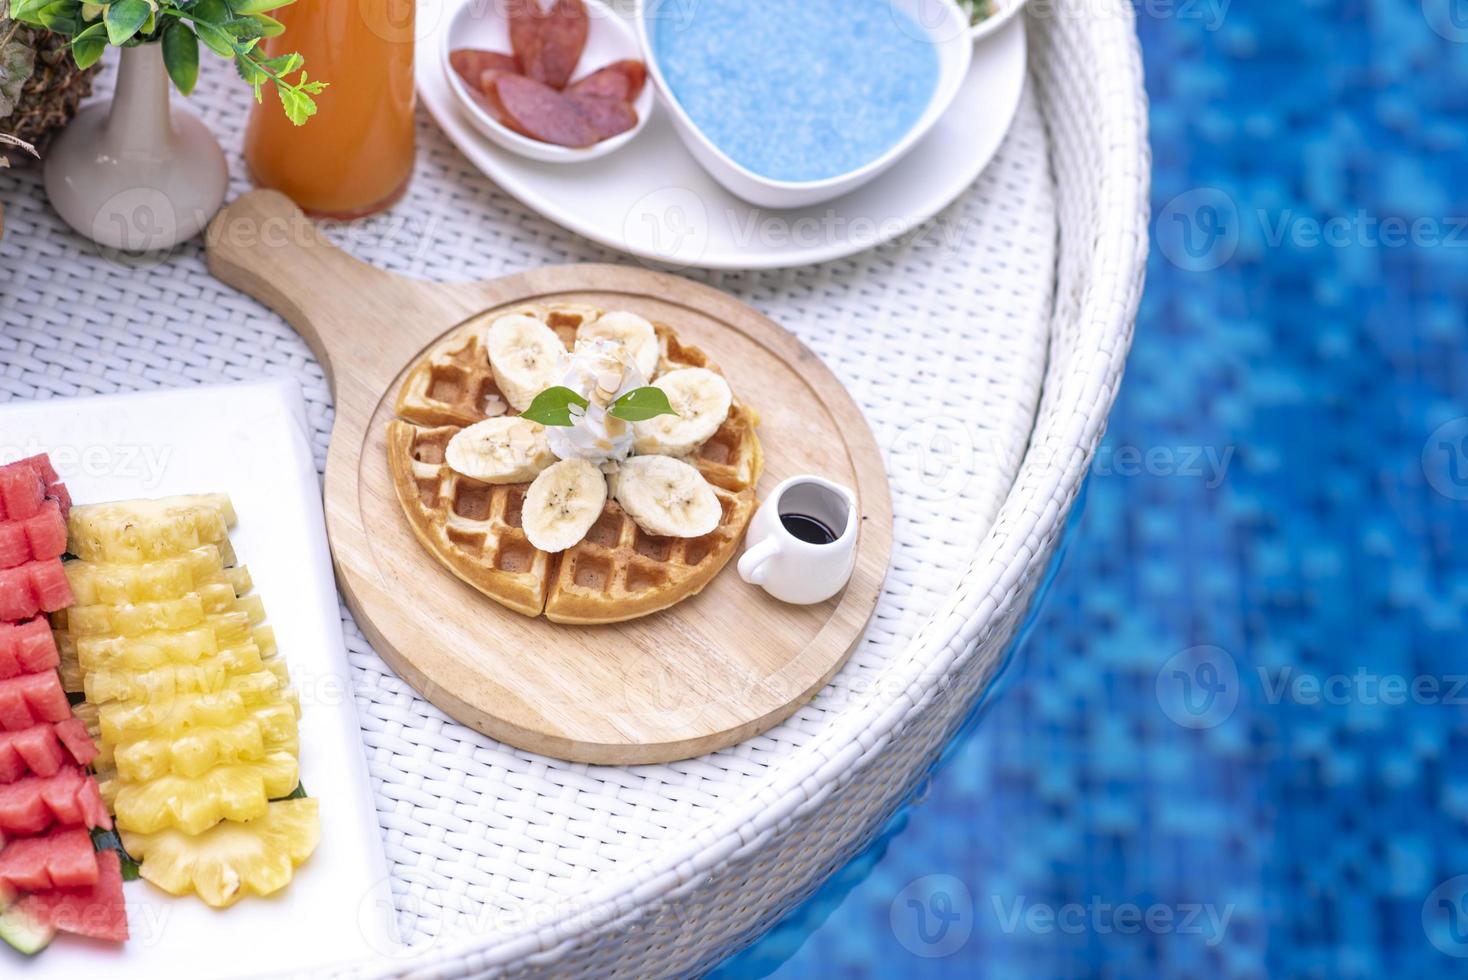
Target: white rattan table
[985, 349]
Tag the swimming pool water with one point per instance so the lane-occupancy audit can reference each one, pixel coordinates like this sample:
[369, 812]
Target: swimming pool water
[1304, 321]
[796, 90]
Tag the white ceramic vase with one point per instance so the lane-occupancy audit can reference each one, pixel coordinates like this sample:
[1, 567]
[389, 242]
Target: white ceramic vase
[137, 175]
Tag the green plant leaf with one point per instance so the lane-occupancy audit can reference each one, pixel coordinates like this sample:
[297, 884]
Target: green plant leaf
[88, 46]
[269, 26]
[215, 39]
[641, 404]
[213, 11]
[124, 19]
[181, 55]
[61, 17]
[553, 406]
[298, 105]
[243, 8]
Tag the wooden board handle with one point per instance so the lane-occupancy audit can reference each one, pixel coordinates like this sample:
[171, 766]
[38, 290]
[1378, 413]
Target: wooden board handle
[361, 322]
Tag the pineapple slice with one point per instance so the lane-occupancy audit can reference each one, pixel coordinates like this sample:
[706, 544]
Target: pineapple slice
[124, 722]
[188, 646]
[144, 530]
[160, 616]
[166, 578]
[277, 724]
[238, 791]
[196, 753]
[231, 860]
[167, 680]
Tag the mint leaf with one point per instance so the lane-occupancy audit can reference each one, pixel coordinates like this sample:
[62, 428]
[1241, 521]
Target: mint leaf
[181, 55]
[641, 404]
[553, 406]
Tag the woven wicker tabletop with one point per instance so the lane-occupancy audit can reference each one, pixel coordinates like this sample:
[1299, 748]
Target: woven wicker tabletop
[943, 337]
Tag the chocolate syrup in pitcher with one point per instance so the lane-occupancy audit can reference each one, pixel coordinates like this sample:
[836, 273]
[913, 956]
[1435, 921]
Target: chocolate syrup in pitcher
[807, 529]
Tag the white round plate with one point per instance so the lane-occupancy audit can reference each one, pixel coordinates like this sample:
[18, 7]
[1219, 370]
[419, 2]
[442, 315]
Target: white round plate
[991, 24]
[653, 200]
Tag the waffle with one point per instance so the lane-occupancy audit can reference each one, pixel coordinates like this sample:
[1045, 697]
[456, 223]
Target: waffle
[617, 572]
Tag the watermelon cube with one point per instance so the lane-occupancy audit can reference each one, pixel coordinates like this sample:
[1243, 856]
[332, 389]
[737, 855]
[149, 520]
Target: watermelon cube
[21, 492]
[40, 464]
[63, 857]
[59, 493]
[33, 803]
[30, 699]
[27, 648]
[15, 548]
[37, 749]
[73, 735]
[97, 912]
[37, 586]
[46, 532]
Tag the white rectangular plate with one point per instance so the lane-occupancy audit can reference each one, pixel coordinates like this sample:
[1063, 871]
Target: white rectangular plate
[250, 441]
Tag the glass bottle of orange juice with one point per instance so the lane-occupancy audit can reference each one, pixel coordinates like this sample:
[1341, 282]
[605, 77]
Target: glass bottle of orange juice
[355, 156]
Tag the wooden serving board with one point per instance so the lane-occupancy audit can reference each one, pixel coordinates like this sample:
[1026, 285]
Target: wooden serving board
[707, 673]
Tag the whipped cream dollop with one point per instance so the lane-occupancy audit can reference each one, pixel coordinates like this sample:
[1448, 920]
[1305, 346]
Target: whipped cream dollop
[601, 372]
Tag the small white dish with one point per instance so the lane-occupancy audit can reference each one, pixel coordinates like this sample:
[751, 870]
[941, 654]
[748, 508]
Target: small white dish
[483, 25]
[1007, 11]
[793, 569]
[942, 19]
[657, 203]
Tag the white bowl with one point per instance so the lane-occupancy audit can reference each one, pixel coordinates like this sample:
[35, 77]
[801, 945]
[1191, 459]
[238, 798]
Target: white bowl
[946, 24]
[1007, 11]
[480, 24]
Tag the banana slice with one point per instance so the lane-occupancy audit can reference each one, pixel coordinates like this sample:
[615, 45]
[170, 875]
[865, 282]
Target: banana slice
[507, 449]
[634, 333]
[563, 503]
[525, 356]
[702, 400]
[667, 497]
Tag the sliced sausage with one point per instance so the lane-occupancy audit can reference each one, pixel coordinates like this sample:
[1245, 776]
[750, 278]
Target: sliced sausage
[607, 117]
[548, 42]
[541, 113]
[621, 81]
[471, 63]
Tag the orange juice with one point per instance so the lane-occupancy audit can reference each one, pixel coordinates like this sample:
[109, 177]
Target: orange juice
[355, 156]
